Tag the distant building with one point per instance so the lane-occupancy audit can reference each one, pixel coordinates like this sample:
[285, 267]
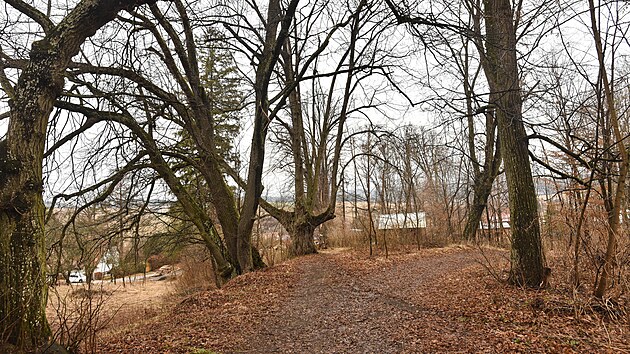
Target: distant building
[497, 227]
[495, 224]
[105, 264]
[415, 220]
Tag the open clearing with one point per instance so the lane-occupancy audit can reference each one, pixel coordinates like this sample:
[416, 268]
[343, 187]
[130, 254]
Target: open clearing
[113, 305]
[430, 301]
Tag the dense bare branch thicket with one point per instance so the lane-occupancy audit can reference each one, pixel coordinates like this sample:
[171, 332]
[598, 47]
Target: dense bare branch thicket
[157, 89]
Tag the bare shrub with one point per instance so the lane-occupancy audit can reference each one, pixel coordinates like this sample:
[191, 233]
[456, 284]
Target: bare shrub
[197, 272]
[275, 252]
[78, 315]
[582, 304]
[347, 237]
[358, 237]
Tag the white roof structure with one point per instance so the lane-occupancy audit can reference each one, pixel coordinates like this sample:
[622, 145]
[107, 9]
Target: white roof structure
[106, 262]
[416, 220]
[494, 225]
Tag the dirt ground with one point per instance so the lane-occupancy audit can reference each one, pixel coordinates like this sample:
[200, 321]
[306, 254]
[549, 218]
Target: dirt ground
[430, 301]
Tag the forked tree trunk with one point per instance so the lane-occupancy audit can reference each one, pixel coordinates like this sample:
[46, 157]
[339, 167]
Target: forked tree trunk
[481, 193]
[475, 212]
[300, 225]
[274, 40]
[483, 178]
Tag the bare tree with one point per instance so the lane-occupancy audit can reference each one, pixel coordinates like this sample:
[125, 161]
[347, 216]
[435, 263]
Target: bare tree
[500, 66]
[498, 58]
[591, 153]
[22, 257]
[314, 133]
[168, 88]
[613, 202]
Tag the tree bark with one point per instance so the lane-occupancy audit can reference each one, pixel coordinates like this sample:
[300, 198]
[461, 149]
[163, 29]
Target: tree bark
[482, 187]
[481, 193]
[483, 175]
[301, 228]
[501, 68]
[274, 40]
[302, 239]
[23, 288]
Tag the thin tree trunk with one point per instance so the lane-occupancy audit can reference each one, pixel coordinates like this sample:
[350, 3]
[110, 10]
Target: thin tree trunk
[615, 210]
[578, 234]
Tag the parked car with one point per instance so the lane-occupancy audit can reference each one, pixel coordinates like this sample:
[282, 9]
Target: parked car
[77, 276]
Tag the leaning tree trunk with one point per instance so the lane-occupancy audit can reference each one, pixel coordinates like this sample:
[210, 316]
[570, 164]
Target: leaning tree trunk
[502, 71]
[475, 211]
[481, 192]
[22, 252]
[483, 178]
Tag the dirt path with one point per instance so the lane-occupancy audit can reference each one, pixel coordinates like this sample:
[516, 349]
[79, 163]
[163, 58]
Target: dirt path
[338, 310]
[430, 301]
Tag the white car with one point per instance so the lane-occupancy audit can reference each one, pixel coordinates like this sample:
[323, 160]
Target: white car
[77, 276]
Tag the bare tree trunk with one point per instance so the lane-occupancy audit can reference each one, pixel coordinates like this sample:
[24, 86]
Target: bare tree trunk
[475, 212]
[482, 187]
[483, 178]
[302, 239]
[578, 230]
[368, 195]
[23, 288]
[271, 51]
[315, 173]
[500, 66]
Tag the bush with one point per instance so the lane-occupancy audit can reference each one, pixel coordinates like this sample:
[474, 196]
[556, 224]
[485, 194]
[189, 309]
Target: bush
[197, 271]
[156, 261]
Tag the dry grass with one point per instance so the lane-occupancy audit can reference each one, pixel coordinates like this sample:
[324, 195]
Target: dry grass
[79, 314]
[197, 272]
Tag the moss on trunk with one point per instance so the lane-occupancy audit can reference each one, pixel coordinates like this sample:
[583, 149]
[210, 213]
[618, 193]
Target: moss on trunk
[22, 252]
[23, 290]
